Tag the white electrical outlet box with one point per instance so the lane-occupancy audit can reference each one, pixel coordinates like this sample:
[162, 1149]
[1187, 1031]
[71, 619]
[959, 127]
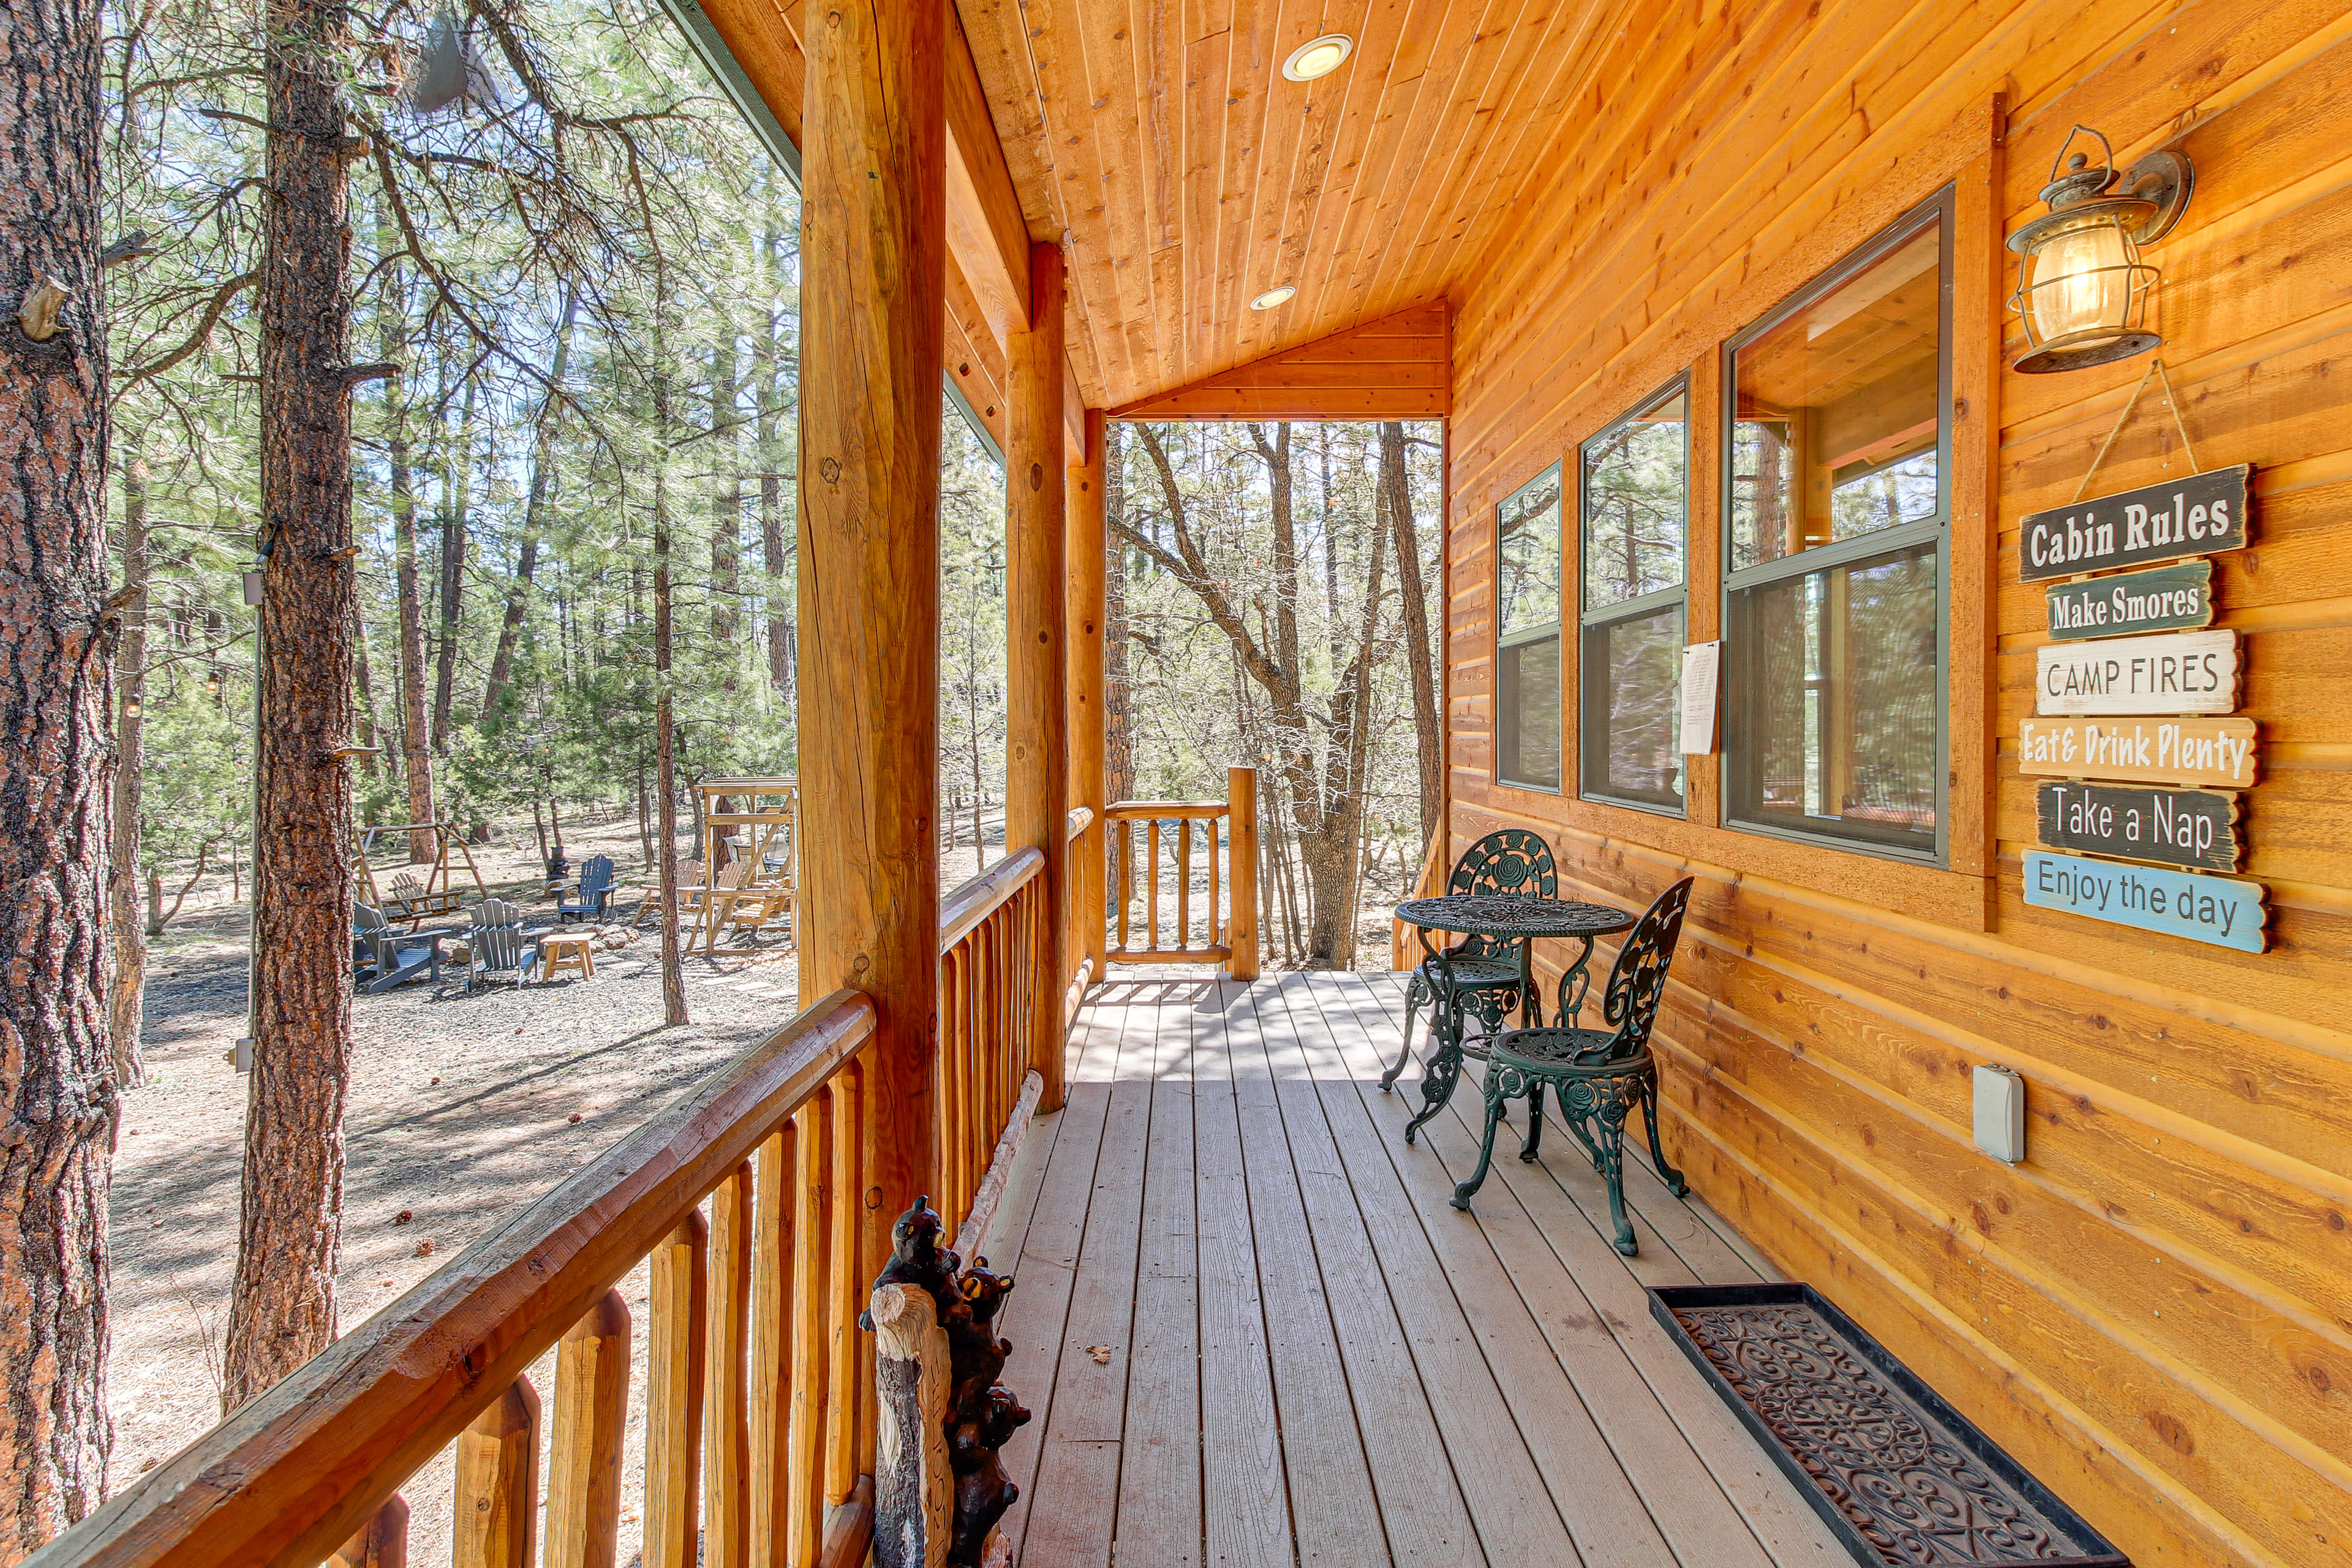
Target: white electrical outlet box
[2000, 1113]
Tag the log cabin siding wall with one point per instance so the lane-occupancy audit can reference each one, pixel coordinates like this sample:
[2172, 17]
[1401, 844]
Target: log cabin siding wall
[2154, 1313]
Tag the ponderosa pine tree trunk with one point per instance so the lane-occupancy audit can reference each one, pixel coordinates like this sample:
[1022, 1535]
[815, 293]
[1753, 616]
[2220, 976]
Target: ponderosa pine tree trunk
[282, 1310]
[456, 490]
[58, 1088]
[1429, 739]
[774, 562]
[1119, 743]
[126, 996]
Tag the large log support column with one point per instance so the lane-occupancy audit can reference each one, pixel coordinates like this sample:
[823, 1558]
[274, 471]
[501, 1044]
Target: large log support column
[874, 251]
[1036, 739]
[1084, 622]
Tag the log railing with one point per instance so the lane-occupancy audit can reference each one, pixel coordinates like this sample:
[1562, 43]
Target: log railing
[1221, 925]
[758, 1398]
[744, 1200]
[992, 931]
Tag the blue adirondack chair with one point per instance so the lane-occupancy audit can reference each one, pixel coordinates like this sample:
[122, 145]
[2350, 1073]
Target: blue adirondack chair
[394, 958]
[595, 892]
[501, 949]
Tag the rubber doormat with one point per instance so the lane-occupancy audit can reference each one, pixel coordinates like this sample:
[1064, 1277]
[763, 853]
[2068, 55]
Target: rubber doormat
[1898, 1475]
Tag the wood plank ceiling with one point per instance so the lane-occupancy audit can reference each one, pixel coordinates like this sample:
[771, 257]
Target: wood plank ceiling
[1189, 175]
[1160, 142]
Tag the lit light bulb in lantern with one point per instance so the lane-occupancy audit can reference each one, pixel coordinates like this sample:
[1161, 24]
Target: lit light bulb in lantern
[2082, 282]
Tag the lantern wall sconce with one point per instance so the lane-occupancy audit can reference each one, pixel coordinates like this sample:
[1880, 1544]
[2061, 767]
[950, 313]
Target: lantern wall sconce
[2082, 288]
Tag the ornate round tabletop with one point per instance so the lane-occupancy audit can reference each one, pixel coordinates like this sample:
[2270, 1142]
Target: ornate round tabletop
[1510, 915]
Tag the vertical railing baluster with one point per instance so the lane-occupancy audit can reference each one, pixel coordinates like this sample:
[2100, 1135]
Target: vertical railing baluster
[1216, 925]
[676, 1348]
[498, 1482]
[844, 1192]
[1126, 874]
[772, 1347]
[583, 1450]
[380, 1542]
[1183, 881]
[812, 1348]
[1151, 880]
[726, 1426]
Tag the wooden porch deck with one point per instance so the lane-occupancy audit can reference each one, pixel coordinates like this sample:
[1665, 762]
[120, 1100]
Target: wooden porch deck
[1251, 1330]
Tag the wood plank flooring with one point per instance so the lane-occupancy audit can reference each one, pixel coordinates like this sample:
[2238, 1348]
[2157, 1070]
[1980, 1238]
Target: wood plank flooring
[1254, 1333]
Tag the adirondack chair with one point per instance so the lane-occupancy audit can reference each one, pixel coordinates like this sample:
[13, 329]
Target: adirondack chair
[500, 948]
[393, 958]
[595, 892]
[411, 902]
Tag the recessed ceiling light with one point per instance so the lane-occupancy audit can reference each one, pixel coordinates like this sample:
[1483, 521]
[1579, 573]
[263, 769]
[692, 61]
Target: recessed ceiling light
[1318, 56]
[1272, 297]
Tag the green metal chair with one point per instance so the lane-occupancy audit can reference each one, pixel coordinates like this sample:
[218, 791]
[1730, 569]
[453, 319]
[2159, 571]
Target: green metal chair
[1596, 1075]
[1480, 974]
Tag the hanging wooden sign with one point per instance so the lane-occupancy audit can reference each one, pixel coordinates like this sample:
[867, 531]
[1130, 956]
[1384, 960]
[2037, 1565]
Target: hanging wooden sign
[2179, 672]
[2167, 599]
[2220, 753]
[2215, 910]
[2203, 514]
[2192, 827]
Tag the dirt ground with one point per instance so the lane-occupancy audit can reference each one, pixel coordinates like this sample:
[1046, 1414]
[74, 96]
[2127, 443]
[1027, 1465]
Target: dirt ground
[463, 1109]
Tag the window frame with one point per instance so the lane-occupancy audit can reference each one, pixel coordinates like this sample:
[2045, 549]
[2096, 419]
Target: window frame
[1641, 607]
[1557, 630]
[1881, 544]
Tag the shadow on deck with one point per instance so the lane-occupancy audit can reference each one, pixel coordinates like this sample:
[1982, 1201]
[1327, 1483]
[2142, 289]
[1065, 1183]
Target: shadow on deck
[1253, 1332]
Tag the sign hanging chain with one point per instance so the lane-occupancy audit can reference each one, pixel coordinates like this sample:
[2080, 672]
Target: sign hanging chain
[2154, 368]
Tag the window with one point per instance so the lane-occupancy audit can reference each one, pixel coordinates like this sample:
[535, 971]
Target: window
[1837, 502]
[1634, 503]
[1527, 642]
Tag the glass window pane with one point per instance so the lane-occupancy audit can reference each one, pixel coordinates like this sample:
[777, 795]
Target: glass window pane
[1527, 688]
[1838, 429]
[1833, 692]
[1631, 671]
[1526, 556]
[1636, 489]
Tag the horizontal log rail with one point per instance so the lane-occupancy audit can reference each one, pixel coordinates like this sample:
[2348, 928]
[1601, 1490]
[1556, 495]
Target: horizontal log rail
[1081, 818]
[1225, 931]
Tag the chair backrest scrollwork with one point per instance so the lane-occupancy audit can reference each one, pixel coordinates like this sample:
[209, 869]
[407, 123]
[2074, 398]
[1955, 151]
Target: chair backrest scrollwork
[1638, 979]
[1510, 860]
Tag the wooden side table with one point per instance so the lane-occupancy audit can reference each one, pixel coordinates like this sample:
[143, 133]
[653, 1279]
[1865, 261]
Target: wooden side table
[567, 954]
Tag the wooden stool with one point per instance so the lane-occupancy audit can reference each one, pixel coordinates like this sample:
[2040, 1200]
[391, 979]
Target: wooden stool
[567, 954]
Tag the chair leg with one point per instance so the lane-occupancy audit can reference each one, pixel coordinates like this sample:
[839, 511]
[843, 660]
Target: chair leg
[1666, 1172]
[1414, 993]
[1534, 1143]
[1467, 1190]
[1609, 1143]
[1444, 1068]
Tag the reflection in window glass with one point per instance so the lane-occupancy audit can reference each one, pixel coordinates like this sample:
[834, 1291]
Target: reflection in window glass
[1631, 671]
[1838, 430]
[1636, 485]
[1527, 651]
[1835, 704]
[1527, 553]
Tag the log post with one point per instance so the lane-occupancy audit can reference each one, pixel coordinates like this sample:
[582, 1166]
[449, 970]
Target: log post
[874, 257]
[1241, 794]
[498, 1482]
[583, 1450]
[1087, 568]
[914, 1491]
[1036, 739]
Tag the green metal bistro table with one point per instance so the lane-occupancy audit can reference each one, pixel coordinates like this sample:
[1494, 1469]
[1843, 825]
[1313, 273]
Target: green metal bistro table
[1509, 916]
